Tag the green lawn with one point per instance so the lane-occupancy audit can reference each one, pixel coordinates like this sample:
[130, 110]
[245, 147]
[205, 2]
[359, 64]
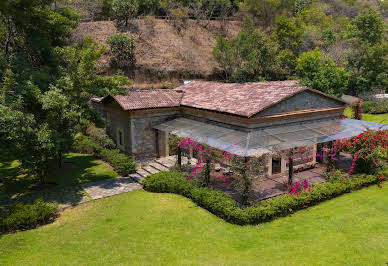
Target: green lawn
[380, 118]
[145, 228]
[83, 168]
[78, 169]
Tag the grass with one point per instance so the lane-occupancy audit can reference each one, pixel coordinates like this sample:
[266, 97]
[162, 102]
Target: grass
[82, 169]
[78, 169]
[145, 228]
[379, 118]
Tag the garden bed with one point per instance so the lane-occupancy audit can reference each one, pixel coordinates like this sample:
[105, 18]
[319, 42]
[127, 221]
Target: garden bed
[222, 204]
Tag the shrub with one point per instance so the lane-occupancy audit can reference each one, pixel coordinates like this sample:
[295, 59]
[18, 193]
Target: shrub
[24, 216]
[376, 107]
[123, 50]
[122, 164]
[85, 144]
[225, 207]
[99, 136]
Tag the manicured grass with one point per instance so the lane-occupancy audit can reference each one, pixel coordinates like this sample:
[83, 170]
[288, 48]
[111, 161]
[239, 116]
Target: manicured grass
[78, 169]
[82, 168]
[380, 118]
[144, 228]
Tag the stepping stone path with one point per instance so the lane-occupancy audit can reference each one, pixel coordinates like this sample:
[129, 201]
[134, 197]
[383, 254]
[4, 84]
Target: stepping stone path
[74, 195]
[110, 187]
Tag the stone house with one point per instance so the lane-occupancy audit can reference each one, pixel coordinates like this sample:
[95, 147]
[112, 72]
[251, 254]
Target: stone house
[269, 113]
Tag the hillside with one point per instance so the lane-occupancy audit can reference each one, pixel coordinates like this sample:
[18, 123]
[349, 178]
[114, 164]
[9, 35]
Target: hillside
[164, 51]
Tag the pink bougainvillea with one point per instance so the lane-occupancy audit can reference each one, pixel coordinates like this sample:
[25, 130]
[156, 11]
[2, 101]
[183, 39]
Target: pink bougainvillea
[297, 188]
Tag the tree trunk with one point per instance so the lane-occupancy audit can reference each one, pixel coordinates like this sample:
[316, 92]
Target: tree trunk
[290, 168]
[246, 184]
[207, 172]
[60, 158]
[179, 157]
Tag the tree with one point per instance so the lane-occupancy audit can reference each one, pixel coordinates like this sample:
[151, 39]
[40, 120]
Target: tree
[31, 29]
[79, 79]
[251, 55]
[265, 11]
[122, 48]
[61, 119]
[368, 27]
[322, 73]
[125, 9]
[288, 34]
[247, 169]
[367, 62]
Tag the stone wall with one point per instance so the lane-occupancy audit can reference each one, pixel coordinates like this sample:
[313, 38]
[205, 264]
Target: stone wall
[303, 101]
[116, 119]
[144, 136]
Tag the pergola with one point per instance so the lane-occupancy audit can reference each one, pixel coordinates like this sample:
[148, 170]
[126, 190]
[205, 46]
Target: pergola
[266, 140]
[271, 139]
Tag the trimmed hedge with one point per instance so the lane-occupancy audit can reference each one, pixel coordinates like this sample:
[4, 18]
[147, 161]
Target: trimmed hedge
[119, 161]
[26, 216]
[225, 207]
[376, 107]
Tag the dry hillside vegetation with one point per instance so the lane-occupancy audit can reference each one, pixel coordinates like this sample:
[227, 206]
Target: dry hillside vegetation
[164, 51]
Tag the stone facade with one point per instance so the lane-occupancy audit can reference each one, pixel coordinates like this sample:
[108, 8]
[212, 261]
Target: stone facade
[303, 101]
[134, 133]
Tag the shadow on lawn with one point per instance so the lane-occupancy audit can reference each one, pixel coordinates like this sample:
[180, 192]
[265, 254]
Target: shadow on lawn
[64, 184]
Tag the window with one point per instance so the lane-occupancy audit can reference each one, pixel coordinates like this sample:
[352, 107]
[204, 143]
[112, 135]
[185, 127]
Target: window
[120, 137]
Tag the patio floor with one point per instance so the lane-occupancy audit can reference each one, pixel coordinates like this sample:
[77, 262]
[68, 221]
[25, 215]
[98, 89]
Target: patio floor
[268, 187]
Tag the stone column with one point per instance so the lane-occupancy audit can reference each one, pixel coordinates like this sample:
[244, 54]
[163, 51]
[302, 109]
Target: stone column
[314, 154]
[163, 143]
[283, 164]
[269, 165]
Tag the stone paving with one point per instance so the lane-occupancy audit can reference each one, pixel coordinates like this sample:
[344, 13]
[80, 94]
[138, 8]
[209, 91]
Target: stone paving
[110, 187]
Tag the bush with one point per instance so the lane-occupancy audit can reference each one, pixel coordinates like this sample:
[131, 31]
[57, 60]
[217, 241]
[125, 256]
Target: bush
[122, 164]
[225, 207]
[215, 201]
[122, 49]
[99, 136]
[85, 144]
[25, 216]
[376, 107]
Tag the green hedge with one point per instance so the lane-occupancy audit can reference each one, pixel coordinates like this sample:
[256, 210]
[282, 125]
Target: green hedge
[119, 161]
[225, 207]
[26, 216]
[376, 107]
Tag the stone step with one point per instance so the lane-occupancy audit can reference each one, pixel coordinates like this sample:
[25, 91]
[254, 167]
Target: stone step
[150, 169]
[166, 162]
[158, 166]
[138, 178]
[142, 173]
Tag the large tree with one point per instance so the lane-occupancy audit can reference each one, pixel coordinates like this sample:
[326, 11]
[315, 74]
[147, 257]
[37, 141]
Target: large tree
[44, 85]
[367, 62]
[125, 9]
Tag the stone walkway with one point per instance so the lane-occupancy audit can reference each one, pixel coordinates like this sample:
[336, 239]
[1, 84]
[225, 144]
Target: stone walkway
[110, 187]
[74, 195]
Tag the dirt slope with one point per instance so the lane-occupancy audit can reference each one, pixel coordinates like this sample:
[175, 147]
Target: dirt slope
[164, 51]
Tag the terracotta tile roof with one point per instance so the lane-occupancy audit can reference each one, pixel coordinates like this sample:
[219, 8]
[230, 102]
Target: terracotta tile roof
[145, 99]
[245, 99]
